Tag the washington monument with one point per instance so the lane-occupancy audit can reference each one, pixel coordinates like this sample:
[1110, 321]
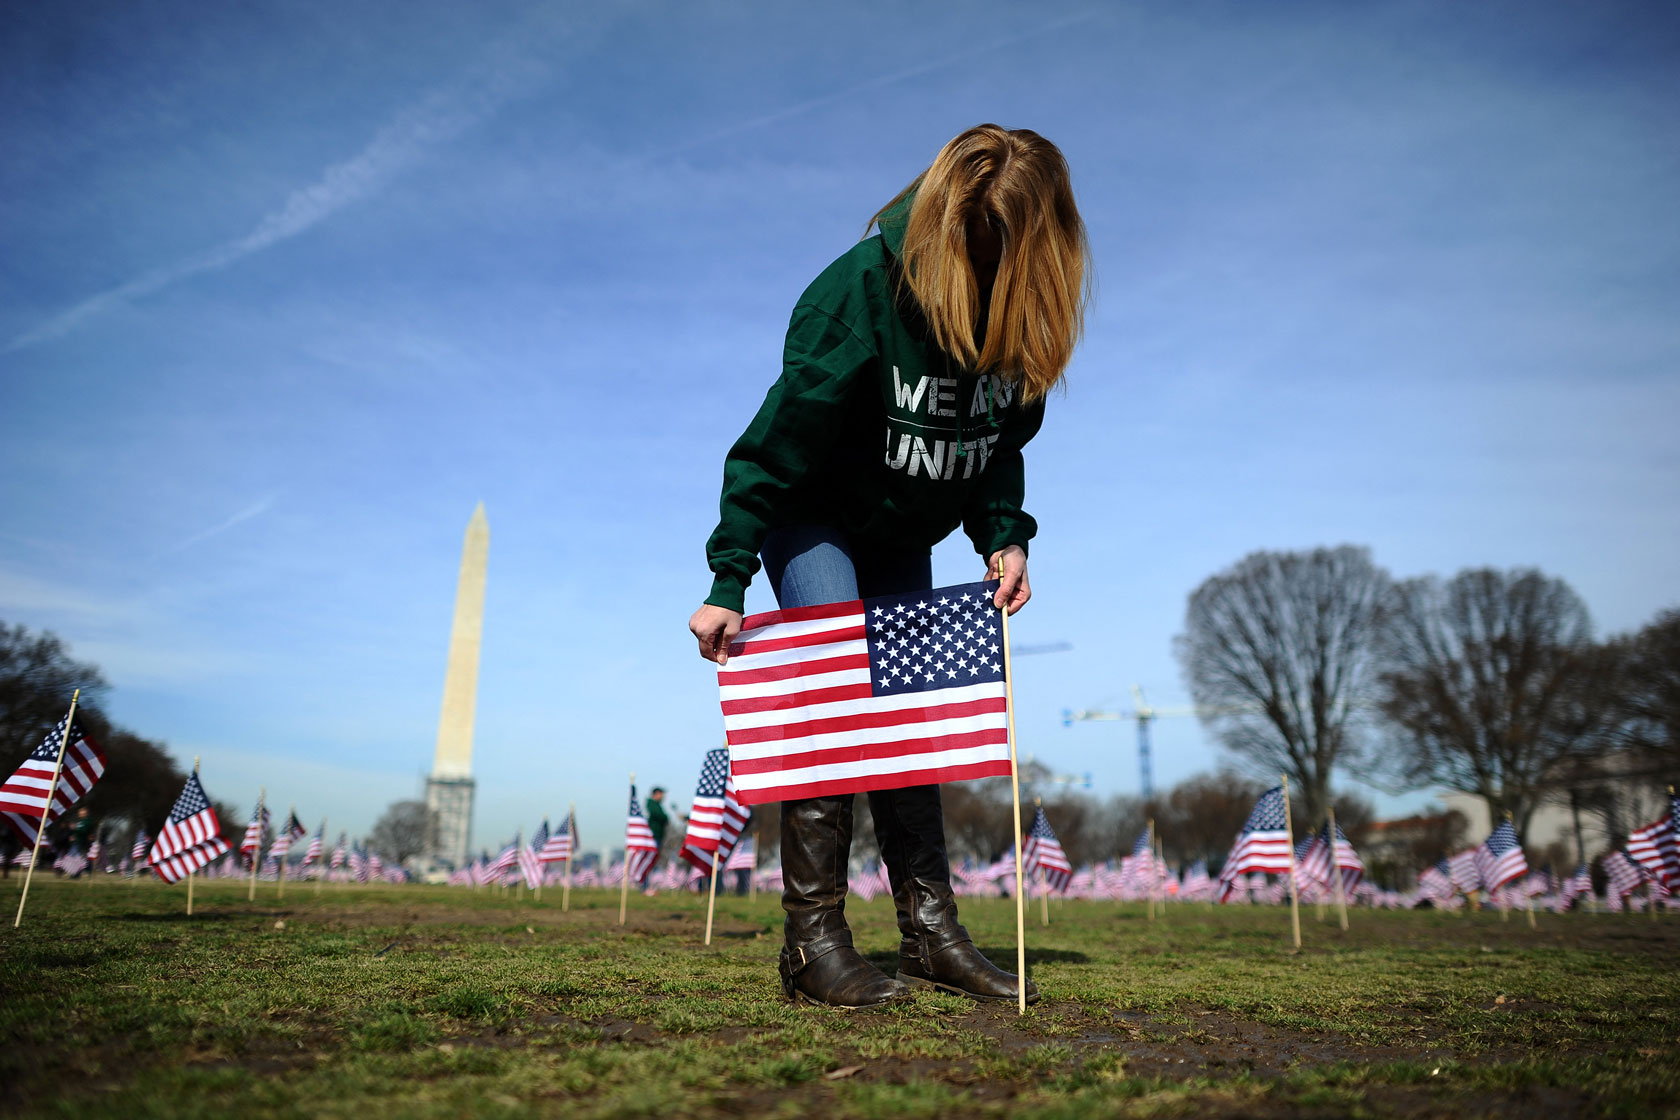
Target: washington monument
[449, 791]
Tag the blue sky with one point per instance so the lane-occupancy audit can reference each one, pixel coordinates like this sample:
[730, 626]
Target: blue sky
[285, 289]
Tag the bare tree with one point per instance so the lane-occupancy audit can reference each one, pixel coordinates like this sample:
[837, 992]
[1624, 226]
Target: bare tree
[1648, 691]
[1491, 683]
[1202, 815]
[404, 831]
[1279, 653]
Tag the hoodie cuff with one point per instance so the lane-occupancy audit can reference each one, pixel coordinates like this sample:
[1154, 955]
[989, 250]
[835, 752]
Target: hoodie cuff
[728, 593]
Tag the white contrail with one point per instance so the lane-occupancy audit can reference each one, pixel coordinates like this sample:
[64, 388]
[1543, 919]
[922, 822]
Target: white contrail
[253, 510]
[877, 83]
[398, 146]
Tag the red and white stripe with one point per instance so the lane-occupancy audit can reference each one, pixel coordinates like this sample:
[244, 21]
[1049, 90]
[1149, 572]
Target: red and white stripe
[180, 836]
[23, 797]
[802, 719]
[639, 848]
[172, 869]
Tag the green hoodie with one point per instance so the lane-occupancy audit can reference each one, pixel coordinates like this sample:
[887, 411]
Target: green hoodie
[859, 359]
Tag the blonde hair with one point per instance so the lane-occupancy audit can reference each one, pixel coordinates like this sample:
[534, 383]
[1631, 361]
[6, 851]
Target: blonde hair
[1018, 183]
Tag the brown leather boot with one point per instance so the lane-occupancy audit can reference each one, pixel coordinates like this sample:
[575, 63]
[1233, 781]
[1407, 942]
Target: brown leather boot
[818, 962]
[936, 951]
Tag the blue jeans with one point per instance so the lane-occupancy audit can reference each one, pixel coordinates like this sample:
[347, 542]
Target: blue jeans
[808, 565]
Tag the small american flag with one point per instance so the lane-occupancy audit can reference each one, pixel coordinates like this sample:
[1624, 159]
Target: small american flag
[256, 835]
[744, 857]
[374, 868]
[1500, 858]
[316, 843]
[1262, 845]
[530, 858]
[293, 830]
[716, 821]
[1576, 885]
[1623, 874]
[639, 849]
[1436, 882]
[878, 693]
[190, 838]
[505, 861]
[141, 841]
[1315, 863]
[1462, 867]
[1043, 852]
[191, 822]
[1656, 847]
[338, 854]
[23, 796]
[559, 846]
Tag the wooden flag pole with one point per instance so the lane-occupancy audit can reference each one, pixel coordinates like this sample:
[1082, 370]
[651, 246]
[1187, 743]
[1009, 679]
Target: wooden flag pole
[1161, 871]
[1043, 895]
[1152, 859]
[46, 808]
[1294, 900]
[256, 852]
[1015, 799]
[189, 872]
[288, 851]
[752, 873]
[571, 827]
[1336, 871]
[624, 891]
[711, 898]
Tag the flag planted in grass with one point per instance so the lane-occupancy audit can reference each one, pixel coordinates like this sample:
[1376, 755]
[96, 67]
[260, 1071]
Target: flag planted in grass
[1656, 847]
[23, 797]
[1500, 858]
[190, 838]
[1262, 845]
[639, 848]
[716, 821]
[879, 693]
[1043, 852]
[559, 846]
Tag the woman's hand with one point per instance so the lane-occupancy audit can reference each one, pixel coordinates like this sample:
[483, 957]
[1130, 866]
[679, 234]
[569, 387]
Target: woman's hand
[716, 627]
[1014, 589]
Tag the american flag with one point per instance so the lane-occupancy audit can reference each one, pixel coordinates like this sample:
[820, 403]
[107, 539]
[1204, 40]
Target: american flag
[1462, 867]
[338, 854]
[1656, 847]
[530, 858]
[878, 693]
[1262, 845]
[1623, 874]
[190, 838]
[316, 843]
[293, 830]
[1137, 871]
[141, 841]
[1043, 852]
[1500, 858]
[256, 835]
[374, 868]
[504, 862]
[94, 850]
[1436, 882]
[1576, 885]
[23, 797]
[744, 857]
[1315, 863]
[716, 821]
[1196, 881]
[639, 849]
[559, 846]
[191, 822]
[356, 864]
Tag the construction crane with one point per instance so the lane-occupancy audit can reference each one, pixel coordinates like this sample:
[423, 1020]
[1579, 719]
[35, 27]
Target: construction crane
[1145, 715]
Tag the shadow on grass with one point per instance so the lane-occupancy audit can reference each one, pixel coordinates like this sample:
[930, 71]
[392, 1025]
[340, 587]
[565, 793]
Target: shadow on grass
[181, 917]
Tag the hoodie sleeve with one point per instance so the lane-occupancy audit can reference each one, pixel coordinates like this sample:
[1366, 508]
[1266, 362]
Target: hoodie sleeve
[993, 517]
[795, 428]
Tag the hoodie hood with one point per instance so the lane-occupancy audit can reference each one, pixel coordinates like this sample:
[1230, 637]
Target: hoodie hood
[893, 223]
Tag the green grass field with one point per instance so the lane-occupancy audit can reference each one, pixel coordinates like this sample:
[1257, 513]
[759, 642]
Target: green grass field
[429, 1001]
